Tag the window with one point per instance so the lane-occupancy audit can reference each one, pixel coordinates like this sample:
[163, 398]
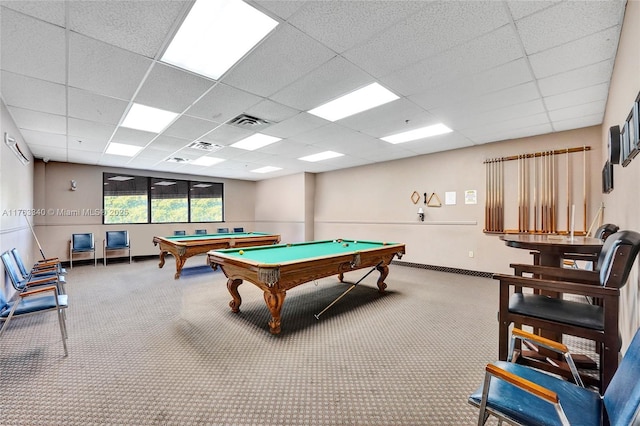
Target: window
[138, 199]
[125, 199]
[206, 202]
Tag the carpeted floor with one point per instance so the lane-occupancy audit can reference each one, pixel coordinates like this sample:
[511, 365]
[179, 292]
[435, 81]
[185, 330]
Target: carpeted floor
[145, 349]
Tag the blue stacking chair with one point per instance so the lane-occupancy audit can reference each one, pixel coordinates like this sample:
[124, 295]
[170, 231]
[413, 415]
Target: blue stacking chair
[31, 281]
[82, 243]
[40, 300]
[523, 395]
[179, 233]
[238, 229]
[114, 241]
[40, 270]
[201, 232]
[223, 230]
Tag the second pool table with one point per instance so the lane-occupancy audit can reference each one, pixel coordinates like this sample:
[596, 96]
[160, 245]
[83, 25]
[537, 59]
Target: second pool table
[278, 268]
[183, 247]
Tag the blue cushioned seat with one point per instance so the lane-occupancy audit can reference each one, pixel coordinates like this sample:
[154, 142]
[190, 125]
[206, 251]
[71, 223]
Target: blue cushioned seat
[223, 230]
[39, 268]
[29, 282]
[201, 232]
[116, 241]
[620, 403]
[565, 311]
[82, 243]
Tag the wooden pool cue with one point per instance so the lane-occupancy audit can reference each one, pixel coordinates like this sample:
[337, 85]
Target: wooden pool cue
[346, 291]
[36, 238]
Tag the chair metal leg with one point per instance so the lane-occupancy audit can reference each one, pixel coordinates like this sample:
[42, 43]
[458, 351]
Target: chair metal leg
[63, 332]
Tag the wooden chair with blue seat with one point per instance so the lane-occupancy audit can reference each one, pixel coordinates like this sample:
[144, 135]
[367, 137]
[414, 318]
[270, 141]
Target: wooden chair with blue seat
[522, 395]
[82, 244]
[573, 315]
[116, 241]
[35, 301]
[22, 284]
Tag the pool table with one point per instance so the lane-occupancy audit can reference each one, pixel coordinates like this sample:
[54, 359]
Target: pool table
[183, 247]
[278, 268]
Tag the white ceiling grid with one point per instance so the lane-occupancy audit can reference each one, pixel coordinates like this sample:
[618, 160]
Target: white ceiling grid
[490, 70]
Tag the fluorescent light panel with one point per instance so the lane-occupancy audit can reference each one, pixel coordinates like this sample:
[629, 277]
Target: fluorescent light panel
[321, 156]
[164, 183]
[421, 133]
[266, 169]
[122, 149]
[357, 101]
[255, 141]
[149, 119]
[121, 178]
[206, 161]
[215, 35]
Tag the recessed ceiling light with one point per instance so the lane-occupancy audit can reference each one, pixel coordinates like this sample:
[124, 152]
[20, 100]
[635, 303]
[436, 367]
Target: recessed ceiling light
[357, 101]
[121, 178]
[164, 183]
[321, 156]
[255, 141]
[202, 185]
[206, 161]
[149, 119]
[122, 149]
[215, 35]
[266, 169]
[421, 133]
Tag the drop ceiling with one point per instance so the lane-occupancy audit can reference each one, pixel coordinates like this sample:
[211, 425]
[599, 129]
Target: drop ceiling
[489, 70]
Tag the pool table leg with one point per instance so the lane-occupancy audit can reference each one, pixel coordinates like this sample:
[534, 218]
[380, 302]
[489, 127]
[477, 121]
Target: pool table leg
[179, 264]
[274, 303]
[384, 271]
[232, 286]
[162, 254]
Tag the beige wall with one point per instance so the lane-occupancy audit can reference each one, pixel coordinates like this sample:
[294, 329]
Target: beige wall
[16, 198]
[280, 207]
[53, 194]
[374, 202]
[621, 205]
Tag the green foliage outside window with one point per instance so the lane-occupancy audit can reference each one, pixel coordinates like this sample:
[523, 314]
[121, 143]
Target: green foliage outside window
[125, 209]
[206, 210]
[166, 210]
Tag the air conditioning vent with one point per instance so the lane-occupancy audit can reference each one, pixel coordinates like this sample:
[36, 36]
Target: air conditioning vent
[249, 122]
[177, 160]
[205, 146]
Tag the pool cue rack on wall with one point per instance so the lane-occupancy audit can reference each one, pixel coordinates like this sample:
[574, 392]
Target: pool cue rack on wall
[549, 183]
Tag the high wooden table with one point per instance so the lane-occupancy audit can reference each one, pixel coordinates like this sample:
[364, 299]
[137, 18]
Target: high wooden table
[550, 250]
[183, 247]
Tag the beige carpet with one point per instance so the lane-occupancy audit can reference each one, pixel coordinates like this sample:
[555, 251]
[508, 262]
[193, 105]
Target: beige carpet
[145, 349]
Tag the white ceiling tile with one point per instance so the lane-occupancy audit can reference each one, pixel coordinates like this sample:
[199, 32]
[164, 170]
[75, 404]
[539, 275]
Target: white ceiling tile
[186, 127]
[226, 135]
[86, 145]
[289, 149]
[501, 135]
[30, 93]
[327, 82]
[39, 121]
[104, 69]
[280, 8]
[52, 11]
[482, 53]
[32, 47]
[438, 143]
[271, 111]
[566, 22]
[519, 9]
[94, 107]
[504, 76]
[171, 144]
[577, 97]
[52, 140]
[223, 103]
[50, 152]
[585, 51]
[295, 125]
[83, 157]
[343, 24]
[528, 109]
[286, 55]
[578, 122]
[139, 26]
[433, 29]
[132, 136]
[83, 129]
[171, 89]
[591, 108]
[577, 79]
[389, 118]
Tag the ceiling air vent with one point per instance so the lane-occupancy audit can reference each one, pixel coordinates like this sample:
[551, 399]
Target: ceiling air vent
[249, 122]
[177, 160]
[205, 146]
